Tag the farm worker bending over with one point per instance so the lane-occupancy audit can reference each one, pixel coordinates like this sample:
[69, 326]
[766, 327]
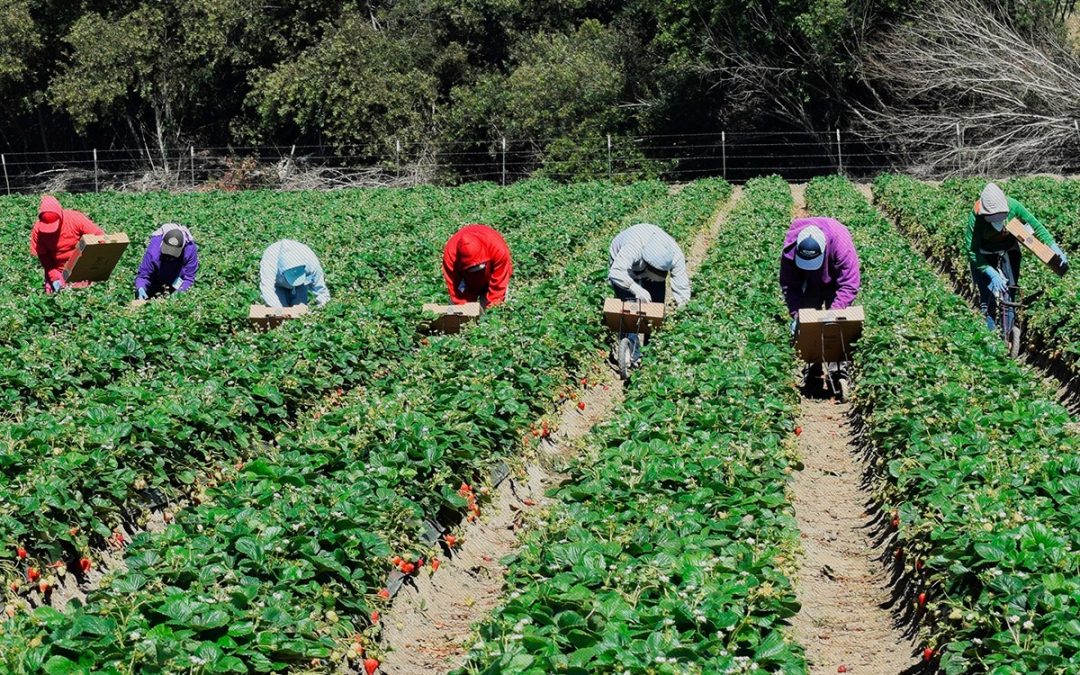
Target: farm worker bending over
[477, 266]
[993, 253]
[169, 264]
[641, 259]
[54, 239]
[288, 272]
[818, 266]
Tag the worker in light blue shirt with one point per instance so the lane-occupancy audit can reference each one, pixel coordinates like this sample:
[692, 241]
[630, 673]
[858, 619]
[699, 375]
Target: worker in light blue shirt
[288, 273]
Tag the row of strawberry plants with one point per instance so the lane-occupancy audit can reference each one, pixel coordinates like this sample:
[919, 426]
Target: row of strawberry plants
[304, 533]
[975, 468]
[668, 548]
[935, 218]
[144, 434]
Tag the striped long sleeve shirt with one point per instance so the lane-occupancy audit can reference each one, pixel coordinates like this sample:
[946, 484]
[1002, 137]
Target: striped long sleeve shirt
[646, 249]
[283, 256]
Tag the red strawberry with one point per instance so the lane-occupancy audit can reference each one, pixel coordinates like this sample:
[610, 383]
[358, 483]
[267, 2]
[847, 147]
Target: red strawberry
[21, 552]
[384, 593]
[85, 564]
[841, 668]
[896, 521]
[73, 531]
[451, 540]
[32, 574]
[922, 599]
[528, 502]
[435, 564]
[14, 586]
[798, 431]
[375, 617]
[370, 666]
[899, 553]
[927, 654]
[396, 561]
[43, 587]
[581, 405]
[918, 564]
[407, 568]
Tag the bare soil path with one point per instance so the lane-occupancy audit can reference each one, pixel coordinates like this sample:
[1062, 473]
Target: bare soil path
[429, 627]
[840, 584]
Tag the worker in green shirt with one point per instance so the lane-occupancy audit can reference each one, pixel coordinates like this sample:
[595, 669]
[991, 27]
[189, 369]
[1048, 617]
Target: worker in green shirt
[994, 254]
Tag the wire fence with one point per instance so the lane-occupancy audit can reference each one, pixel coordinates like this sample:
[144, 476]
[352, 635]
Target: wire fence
[735, 155]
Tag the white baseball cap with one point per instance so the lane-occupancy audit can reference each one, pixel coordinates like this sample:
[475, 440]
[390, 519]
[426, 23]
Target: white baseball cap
[810, 248]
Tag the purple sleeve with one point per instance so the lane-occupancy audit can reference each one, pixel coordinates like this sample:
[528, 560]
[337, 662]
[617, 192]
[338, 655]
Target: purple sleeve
[149, 264]
[191, 266]
[848, 278]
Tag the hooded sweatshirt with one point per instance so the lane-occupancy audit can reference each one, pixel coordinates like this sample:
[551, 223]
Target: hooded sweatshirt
[834, 284]
[290, 264]
[158, 273]
[474, 245]
[980, 235]
[52, 244]
[646, 250]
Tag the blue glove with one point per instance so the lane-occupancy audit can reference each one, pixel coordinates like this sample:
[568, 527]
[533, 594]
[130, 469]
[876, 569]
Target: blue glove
[57, 285]
[794, 324]
[998, 284]
[142, 293]
[177, 284]
[1061, 254]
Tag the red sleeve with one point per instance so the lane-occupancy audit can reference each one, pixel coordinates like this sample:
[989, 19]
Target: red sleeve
[33, 242]
[449, 258]
[502, 268]
[87, 226]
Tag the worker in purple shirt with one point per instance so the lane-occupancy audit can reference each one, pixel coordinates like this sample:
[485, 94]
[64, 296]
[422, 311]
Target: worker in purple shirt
[819, 267]
[170, 262]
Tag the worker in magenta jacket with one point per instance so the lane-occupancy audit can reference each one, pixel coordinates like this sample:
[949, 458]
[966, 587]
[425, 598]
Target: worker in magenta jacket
[54, 239]
[819, 267]
[477, 266]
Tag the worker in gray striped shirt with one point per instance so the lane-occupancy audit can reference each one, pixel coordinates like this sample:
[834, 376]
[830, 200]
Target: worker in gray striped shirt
[289, 271]
[641, 260]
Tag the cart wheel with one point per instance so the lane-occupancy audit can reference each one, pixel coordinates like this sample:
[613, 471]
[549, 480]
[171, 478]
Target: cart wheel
[845, 389]
[624, 358]
[1014, 342]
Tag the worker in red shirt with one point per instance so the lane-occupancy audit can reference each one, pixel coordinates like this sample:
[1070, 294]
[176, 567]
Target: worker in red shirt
[476, 266]
[54, 239]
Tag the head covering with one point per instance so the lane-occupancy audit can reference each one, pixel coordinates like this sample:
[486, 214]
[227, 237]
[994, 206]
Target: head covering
[994, 205]
[296, 276]
[50, 215]
[172, 243]
[810, 248]
[660, 258]
[470, 251]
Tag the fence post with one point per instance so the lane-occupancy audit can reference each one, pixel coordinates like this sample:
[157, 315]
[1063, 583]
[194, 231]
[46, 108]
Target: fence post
[95, 171]
[609, 156]
[504, 160]
[723, 153]
[3, 158]
[192, 149]
[397, 154]
[959, 149]
[839, 153]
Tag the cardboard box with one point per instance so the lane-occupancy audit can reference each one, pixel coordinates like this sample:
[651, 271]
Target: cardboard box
[450, 318]
[95, 257]
[826, 335]
[1026, 236]
[265, 318]
[632, 316]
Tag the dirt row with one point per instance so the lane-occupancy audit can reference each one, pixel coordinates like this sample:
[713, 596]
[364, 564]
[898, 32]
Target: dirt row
[429, 626]
[841, 585]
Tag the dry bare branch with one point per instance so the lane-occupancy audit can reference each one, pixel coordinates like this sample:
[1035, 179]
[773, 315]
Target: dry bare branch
[1016, 102]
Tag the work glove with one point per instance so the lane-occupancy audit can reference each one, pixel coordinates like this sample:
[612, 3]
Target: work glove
[1061, 254]
[794, 324]
[57, 285]
[177, 284]
[998, 284]
[141, 292]
[642, 295]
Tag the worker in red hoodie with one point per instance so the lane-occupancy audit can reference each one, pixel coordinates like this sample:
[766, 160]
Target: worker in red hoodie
[54, 239]
[476, 266]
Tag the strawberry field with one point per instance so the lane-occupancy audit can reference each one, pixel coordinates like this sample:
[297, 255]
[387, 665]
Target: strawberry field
[182, 494]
